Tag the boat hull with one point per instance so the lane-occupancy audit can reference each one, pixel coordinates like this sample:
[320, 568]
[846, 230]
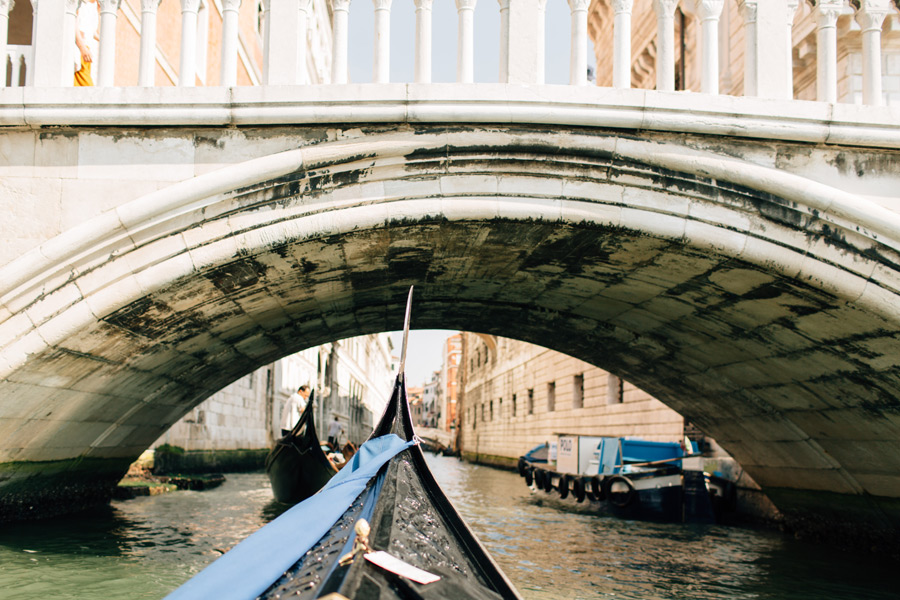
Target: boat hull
[669, 496]
[297, 466]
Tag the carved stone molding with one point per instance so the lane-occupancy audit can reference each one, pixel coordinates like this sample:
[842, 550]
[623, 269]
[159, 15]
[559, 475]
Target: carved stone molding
[343, 5]
[109, 6]
[465, 4]
[623, 6]
[748, 9]
[382, 4]
[425, 4]
[709, 9]
[665, 7]
[870, 14]
[232, 5]
[150, 5]
[190, 6]
[577, 5]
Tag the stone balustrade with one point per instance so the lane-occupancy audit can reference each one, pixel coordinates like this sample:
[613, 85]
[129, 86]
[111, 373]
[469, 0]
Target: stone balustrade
[767, 25]
[18, 62]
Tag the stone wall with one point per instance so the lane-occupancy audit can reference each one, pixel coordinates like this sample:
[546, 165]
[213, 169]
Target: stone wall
[232, 419]
[507, 409]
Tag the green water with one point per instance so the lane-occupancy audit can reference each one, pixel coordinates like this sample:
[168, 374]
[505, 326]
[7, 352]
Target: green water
[144, 548]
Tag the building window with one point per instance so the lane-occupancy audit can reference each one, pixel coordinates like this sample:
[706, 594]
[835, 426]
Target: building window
[531, 401]
[514, 405]
[492, 410]
[615, 393]
[578, 391]
[551, 396]
[500, 408]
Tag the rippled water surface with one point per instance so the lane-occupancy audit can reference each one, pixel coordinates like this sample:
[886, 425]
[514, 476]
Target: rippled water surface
[146, 547]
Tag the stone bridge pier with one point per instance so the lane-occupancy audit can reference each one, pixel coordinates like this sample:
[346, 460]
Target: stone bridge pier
[742, 268]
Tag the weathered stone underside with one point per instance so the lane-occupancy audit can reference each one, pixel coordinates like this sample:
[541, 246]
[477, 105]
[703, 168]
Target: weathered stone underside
[766, 320]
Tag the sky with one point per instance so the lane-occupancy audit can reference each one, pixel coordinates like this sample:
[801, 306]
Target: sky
[423, 354]
[444, 32]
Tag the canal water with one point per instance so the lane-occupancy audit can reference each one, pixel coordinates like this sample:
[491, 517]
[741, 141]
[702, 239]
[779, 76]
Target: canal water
[144, 548]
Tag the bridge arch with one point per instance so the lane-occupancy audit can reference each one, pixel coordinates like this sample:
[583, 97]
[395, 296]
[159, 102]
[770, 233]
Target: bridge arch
[759, 304]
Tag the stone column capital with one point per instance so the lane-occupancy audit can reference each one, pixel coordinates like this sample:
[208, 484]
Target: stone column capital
[577, 5]
[342, 5]
[232, 5]
[870, 14]
[6, 7]
[109, 6]
[748, 9]
[71, 6]
[382, 4]
[709, 9]
[465, 4]
[150, 5]
[423, 4]
[665, 8]
[623, 6]
[190, 6]
[504, 4]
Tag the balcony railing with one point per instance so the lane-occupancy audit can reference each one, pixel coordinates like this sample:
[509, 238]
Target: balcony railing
[17, 64]
[767, 25]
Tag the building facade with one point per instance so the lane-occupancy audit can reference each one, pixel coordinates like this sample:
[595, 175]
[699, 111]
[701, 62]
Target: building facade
[204, 44]
[352, 380]
[451, 355]
[733, 16]
[515, 395]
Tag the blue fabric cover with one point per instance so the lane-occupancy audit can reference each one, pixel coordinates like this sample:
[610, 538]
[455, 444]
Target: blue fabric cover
[248, 569]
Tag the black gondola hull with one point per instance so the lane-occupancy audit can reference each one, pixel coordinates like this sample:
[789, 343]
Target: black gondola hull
[297, 467]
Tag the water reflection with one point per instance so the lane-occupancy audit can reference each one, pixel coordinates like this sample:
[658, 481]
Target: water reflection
[146, 547]
[549, 553]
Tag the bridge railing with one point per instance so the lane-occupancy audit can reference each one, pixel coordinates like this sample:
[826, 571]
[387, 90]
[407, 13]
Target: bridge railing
[767, 25]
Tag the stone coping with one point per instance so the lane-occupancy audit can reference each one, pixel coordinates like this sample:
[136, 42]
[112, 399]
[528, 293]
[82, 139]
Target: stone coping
[686, 112]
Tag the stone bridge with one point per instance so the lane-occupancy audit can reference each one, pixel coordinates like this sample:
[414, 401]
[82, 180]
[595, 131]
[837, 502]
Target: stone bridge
[738, 258]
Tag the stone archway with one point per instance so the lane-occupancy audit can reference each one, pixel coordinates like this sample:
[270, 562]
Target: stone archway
[760, 305]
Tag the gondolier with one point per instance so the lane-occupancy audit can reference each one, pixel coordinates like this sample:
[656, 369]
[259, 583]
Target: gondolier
[335, 429]
[293, 408]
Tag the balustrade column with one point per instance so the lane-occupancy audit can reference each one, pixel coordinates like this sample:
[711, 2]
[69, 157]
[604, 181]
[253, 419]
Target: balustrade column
[665, 44]
[228, 60]
[504, 40]
[751, 37]
[709, 12]
[540, 49]
[287, 42]
[15, 60]
[622, 43]
[69, 25]
[5, 7]
[340, 39]
[423, 41]
[147, 64]
[465, 45]
[187, 68]
[870, 15]
[53, 58]
[792, 6]
[578, 51]
[827, 13]
[106, 65]
[266, 38]
[382, 65]
[767, 57]
[522, 41]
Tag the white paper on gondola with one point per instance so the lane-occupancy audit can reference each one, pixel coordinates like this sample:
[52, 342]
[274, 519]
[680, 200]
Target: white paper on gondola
[391, 563]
